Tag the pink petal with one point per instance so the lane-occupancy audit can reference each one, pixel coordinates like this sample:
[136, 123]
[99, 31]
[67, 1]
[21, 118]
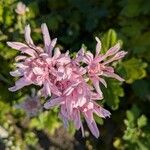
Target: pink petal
[16, 73]
[69, 105]
[77, 119]
[95, 96]
[113, 75]
[46, 36]
[120, 55]
[21, 65]
[47, 88]
[64, 119]
[37, 71]
[53, 102]
[98, 46]
[52, 45]
[16, 45]
[101, 112]
[19, 84]
[69, 90]
[27, 35]
[95, 82]
[28, 51]
[92, 125]
[57, 52]
[89, 57]
[20, 57]
[113, 50]
[103, 82]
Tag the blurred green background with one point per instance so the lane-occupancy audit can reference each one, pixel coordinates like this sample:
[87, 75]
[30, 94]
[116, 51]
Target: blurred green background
[77, 22]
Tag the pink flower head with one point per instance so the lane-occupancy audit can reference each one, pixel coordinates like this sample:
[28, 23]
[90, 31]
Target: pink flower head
[98, 66]
[77, 100]
[36, 65]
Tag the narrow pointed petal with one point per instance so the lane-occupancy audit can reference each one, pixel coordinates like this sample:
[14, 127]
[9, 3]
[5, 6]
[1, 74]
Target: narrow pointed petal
[113, 50]
[103, 82]
[46, 36]
[20, 57]
[77, 119]
[57, 52]
[98, 46]
[69, 105]
[52, 45]
[16, 45]
[19, 84]
[113, 75]
[27, 35]
[101, 112]
[97, 86]
[92, 126]
[53, 102]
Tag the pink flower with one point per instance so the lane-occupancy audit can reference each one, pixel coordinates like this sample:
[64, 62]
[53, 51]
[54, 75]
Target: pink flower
[21, 8]
[77, 100]
[36, 65]
[98, 66]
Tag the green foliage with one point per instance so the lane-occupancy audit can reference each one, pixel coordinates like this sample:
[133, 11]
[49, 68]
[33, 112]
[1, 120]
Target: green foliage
[109, 39]
[133, 69]
[136, 135]
[112, 95]
[46, 120]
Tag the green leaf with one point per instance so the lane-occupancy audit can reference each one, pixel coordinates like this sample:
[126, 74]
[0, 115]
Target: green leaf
[98, 120]
[31, 138]
[109, 39]
[112, 93]
[46, 120]
[134, 69]
[142, 121]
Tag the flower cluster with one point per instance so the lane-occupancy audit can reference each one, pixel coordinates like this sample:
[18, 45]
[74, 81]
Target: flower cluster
[73, 84]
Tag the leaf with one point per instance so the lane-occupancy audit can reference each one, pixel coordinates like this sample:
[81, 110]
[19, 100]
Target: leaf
[134, 69]
[46, 120]
[98, 120]
[109, 39]
[142, 121]
[112, 93]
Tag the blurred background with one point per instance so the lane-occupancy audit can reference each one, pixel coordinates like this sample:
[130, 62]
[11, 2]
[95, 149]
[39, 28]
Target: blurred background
[77, 22]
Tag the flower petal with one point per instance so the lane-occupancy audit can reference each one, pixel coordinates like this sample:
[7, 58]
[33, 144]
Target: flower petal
[27, 35]
[46, 36]
[19, 84]
[98, 46]
[53, 102]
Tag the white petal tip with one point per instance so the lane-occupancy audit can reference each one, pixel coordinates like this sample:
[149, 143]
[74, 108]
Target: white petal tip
[97, 39]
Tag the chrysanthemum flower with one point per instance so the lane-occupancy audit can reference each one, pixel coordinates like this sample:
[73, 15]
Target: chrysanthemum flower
[72, 87]
[36, 65]
[98, 66]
